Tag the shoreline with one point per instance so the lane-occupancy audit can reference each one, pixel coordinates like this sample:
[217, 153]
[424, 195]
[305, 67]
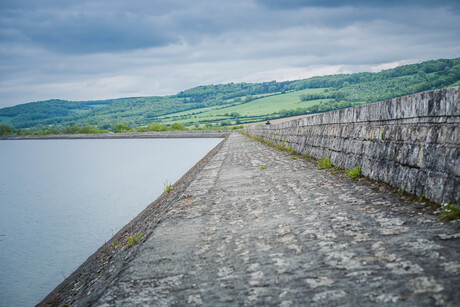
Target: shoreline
[94, 268]
[126, 135]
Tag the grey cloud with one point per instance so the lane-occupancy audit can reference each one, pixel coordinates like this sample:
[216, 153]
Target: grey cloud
[103, 49]
[107, 26]
[294, 4]
[82, 27]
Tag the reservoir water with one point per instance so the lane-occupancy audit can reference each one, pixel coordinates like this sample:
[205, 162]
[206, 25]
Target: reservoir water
[60, 200]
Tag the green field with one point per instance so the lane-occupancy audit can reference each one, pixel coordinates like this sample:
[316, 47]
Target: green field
[252, 110]
[272, 104]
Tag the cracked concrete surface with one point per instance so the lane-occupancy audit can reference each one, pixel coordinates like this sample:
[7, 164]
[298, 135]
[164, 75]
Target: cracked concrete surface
[289, 235]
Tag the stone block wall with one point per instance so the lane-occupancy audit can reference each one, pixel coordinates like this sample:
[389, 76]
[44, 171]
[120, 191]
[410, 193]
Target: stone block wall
[411, 142]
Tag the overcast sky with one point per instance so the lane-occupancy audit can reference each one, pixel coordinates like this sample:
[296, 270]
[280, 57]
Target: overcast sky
[97, 49]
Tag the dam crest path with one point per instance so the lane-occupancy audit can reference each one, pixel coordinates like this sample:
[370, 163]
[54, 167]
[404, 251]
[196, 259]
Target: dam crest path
[258, 226]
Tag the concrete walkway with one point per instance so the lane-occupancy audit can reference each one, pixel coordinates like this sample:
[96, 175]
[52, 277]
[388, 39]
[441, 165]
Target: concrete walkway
[287, 235]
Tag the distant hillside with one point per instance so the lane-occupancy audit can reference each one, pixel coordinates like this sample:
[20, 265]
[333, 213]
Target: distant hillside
[236, 103]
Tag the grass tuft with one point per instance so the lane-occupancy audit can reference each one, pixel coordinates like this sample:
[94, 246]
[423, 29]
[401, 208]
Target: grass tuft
[325, 163]
[354, 173]
[449, 212]
[262, 167]
[168, 187]
[281, 147]
[133, 240]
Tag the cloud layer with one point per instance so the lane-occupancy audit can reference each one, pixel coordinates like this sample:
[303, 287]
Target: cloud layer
[83, 50]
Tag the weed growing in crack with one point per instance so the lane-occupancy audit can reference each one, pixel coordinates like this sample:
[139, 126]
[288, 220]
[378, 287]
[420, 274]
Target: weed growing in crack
[354, 173]
[307, 157]
[262, 167]
[133, 239]
[256, 138]
[325, 163]
[421, 197]
[281, 147]
[449, 212]
[168, 187]
[115, 242]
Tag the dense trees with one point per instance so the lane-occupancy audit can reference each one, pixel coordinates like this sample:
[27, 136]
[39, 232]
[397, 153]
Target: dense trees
[157, 127]
[5, 130]
[177, 126]
[120, 128]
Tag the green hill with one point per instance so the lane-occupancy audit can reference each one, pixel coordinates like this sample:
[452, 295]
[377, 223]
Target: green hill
[234, 103]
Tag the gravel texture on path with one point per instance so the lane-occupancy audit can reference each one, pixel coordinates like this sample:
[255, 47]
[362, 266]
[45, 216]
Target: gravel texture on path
[289, 235]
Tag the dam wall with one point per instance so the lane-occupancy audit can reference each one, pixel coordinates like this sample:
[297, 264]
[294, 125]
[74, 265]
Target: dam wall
[410, 142]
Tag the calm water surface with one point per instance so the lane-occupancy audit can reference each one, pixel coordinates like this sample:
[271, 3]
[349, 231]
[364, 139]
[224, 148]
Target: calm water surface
[60, 200]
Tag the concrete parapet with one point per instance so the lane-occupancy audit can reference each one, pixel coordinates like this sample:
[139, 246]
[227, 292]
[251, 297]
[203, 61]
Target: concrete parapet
[411, 142]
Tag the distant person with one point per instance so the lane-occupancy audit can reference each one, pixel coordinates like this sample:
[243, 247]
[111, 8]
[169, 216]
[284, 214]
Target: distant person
[267, 123]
